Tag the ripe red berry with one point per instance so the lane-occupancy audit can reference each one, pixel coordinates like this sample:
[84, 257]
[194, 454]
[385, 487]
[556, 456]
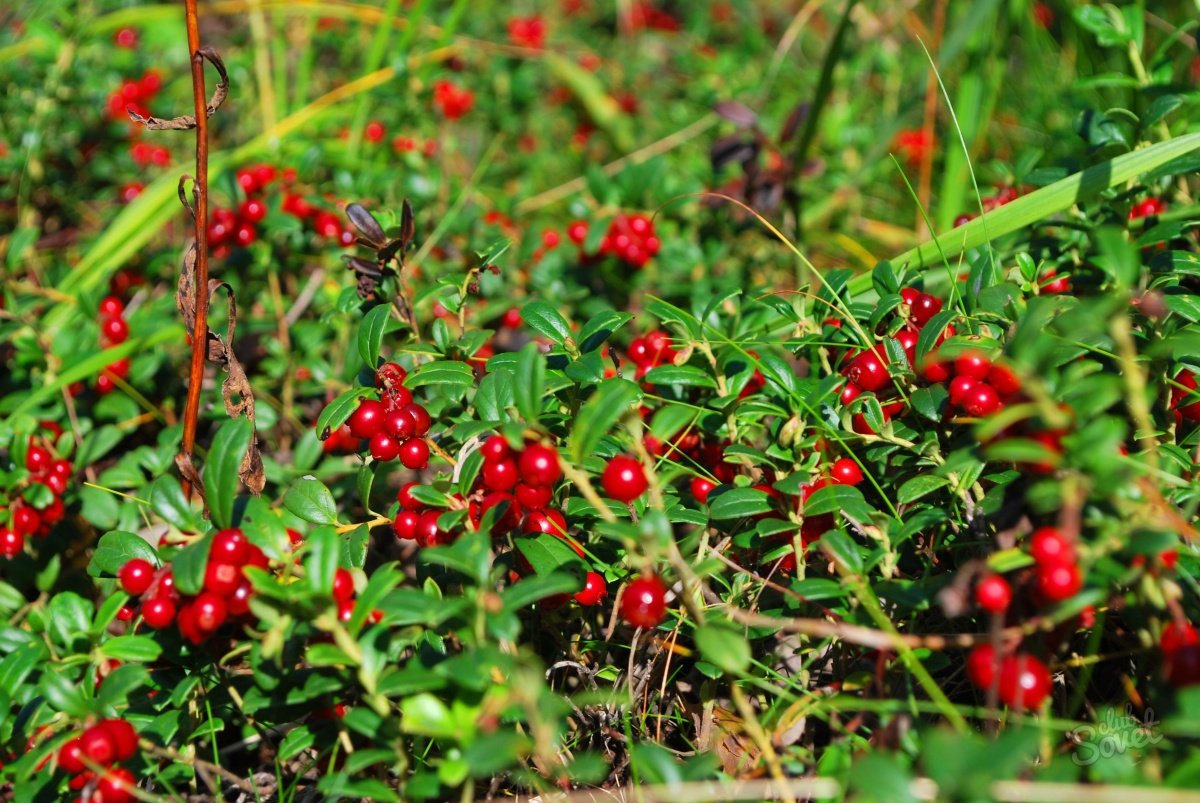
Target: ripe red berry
[399, 425]
[229, 546]
[1176, 635]
[343, 585]
[114, 330]
[209, 612]
[136, 576]
[550, 522]
[367, 419]
[124, 736]
[390, 375]
[158, 612]
[644, 603]
[428, 531]
[500, 475]
[406, 499]
[701, 487]
[533, 497]
[845, 472]
[99, 745]
[993, 594]
[494, 448]
[849, 392]
[624, 479]
[960, 386]
[973, 364]
[909, 295]
[405, 524]
[594, 590]
[374, 132]
[384, 447]
[925, 307]
[111, 307]
[420, 416]
[981, 400]
[869, 370]
[982, 666]
[1183, 666]
[222, 578]
[1058, 581]
[70, 756]
[238, 603]
[414, 454]
[114, 786]
[1049, 548]
[1024, 681]
[577, 232]
[511, 319]
[539, 465]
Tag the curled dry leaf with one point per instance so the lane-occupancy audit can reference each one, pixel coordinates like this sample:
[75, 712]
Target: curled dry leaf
[188, 121]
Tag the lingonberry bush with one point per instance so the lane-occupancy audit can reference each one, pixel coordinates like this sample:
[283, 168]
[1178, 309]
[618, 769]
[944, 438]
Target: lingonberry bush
[552, 406]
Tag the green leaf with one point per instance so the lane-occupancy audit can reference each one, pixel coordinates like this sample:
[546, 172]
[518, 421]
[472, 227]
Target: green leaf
[494, 396]
[917, 487]
[142, 649]
[117, 548]
[426, 715]
[441, 372]
[321, 563]
[546, 321]
[530, 382]
[724, 645]
[311, 501]
[611, 400]
[531, 589]
[548, 554]
[370, 334]
[686, 375]
[338, 411]
[838, 499]
[189, 564]
[600, 327]
[842, 549]
[223, 466]
[69, 616]
[737, 503]
[1160, 108]
[168, 501]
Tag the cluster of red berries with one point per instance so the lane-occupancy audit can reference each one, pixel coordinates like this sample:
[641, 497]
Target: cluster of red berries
[452, 100]
[343, 595]
[134, 96]
[106, 743]
[416, 522]
[527, 32]
[519, 483]
[1003, 197]
[1185, 401]
[113, 331]
[641, 14]
[1021, 680]
[25, 520]
[1180, 645]
[650, 351]
[843, 471]
[868, 370]
[395, 425]
[225, 596]
[630, 238]
[1148, 207]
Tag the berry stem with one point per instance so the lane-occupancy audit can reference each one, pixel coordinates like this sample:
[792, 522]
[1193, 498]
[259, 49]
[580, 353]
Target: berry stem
[200, 328]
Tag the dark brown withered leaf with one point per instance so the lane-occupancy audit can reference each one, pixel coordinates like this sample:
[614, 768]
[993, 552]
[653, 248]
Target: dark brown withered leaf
[368, 226]
[188, 121]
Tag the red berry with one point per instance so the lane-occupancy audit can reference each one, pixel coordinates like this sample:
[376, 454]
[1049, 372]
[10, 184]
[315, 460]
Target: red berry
[209, 612]
[1058, 581]
[624, 479]
[500, 475]
[1183, 666]
[981, 400]
[868, 370]
[99, 745]
[926, 307]
[384, 447]
[533, 497]
[414, 454]
[701, 487]
[111, 307]
[577, 232]
[594, 590]
[406, 499]
[960, 386]
[398, 425]
[1049, 548]
[494, 448]
[1176, 635]
[124, 735]
[374, 132]
[845, 472]
[539, 465]
[909, 295]
[550, 522]
[158, 612]
[849, 392]
[511, 319]
[428, 531]
[70, 756]
[229, 546]
[343, 585]
[420, 415]
[222, 578]
[114, 786]
[993, 594]
[367, 419]
[982, 666]
[644, 603]
[405, 524]
[238, 603]
[252, 210]
[973, 364]
[1004, 381]
[114, 330]
[1024, 681]
[136, 576]
[25, 520]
